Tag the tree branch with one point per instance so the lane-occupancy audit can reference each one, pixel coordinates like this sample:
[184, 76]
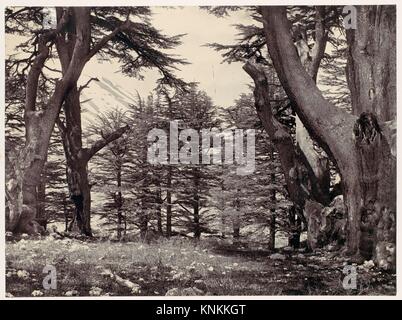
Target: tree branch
[183, 207]
[98, 46]
[276, 131]
[321, 38]
[38, 64]
[106, 139]
[87, 84]
[310, 105]
[61, 126]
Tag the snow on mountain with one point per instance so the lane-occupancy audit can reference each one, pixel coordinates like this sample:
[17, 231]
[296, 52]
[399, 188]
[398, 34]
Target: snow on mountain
[104, 95]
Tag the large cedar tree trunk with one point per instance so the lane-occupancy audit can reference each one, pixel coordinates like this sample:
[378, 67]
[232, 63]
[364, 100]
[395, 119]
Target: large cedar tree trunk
[169, 203]
[306, 172]
[78, 157]
[39, 123]
[77, 162]
[196, 204]
[359, 146]
[119, 203]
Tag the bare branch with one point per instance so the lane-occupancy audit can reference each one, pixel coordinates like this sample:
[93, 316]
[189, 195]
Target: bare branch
[183, 207]
[106, 139]
[87, 84]
[39, 62]
[321, 38]
[61, 126]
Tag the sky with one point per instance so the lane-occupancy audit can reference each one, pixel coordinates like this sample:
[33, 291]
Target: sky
[223, 82]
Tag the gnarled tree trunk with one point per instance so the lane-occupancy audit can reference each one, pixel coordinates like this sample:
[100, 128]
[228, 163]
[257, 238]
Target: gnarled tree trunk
[118, 199]
[39, 123]
[360, 147]
[77, 160]
[306, 171]
[169, 203]
[196, 204]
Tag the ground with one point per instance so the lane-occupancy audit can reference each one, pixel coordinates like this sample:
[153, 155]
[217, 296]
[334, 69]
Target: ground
[180, 267]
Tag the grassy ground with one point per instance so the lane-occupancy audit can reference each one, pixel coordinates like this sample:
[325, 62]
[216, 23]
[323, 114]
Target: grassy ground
[179, 267]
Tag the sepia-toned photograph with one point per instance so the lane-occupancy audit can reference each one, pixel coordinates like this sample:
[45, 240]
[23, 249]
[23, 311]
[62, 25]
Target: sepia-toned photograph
[200, 151]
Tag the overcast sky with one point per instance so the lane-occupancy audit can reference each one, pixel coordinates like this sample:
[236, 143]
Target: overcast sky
[221, 81]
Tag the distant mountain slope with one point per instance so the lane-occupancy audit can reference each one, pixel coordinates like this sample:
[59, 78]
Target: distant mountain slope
[104, 95]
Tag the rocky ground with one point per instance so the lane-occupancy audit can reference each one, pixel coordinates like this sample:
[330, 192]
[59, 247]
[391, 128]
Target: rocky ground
[182, 267]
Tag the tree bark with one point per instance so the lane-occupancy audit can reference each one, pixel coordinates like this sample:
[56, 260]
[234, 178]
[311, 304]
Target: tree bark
[317, 165]
[119, 203]
[169, 203]
[371, 66]
[77, 160]
[39, 123]
[196, 204]
[306, 172]
[144, 214]
[159, 202]
[236, 216]
[295, 171]
[65, 211]
[360, 147]
[236, 219]
[272, 222]
[41, 216]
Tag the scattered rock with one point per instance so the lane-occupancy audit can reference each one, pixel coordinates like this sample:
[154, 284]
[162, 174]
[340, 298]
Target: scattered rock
[71, 293]
[193, 291]
[9, 274]
[95, 291]
[23, 274]
[315, 267]
[200, 284]
[190, 291]
[277, 256]
[368, 264]
[37, 293]
[288, 249]
[107, 272]
[179, 276]
[134, 287]
[9, 236]
[173, 292]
